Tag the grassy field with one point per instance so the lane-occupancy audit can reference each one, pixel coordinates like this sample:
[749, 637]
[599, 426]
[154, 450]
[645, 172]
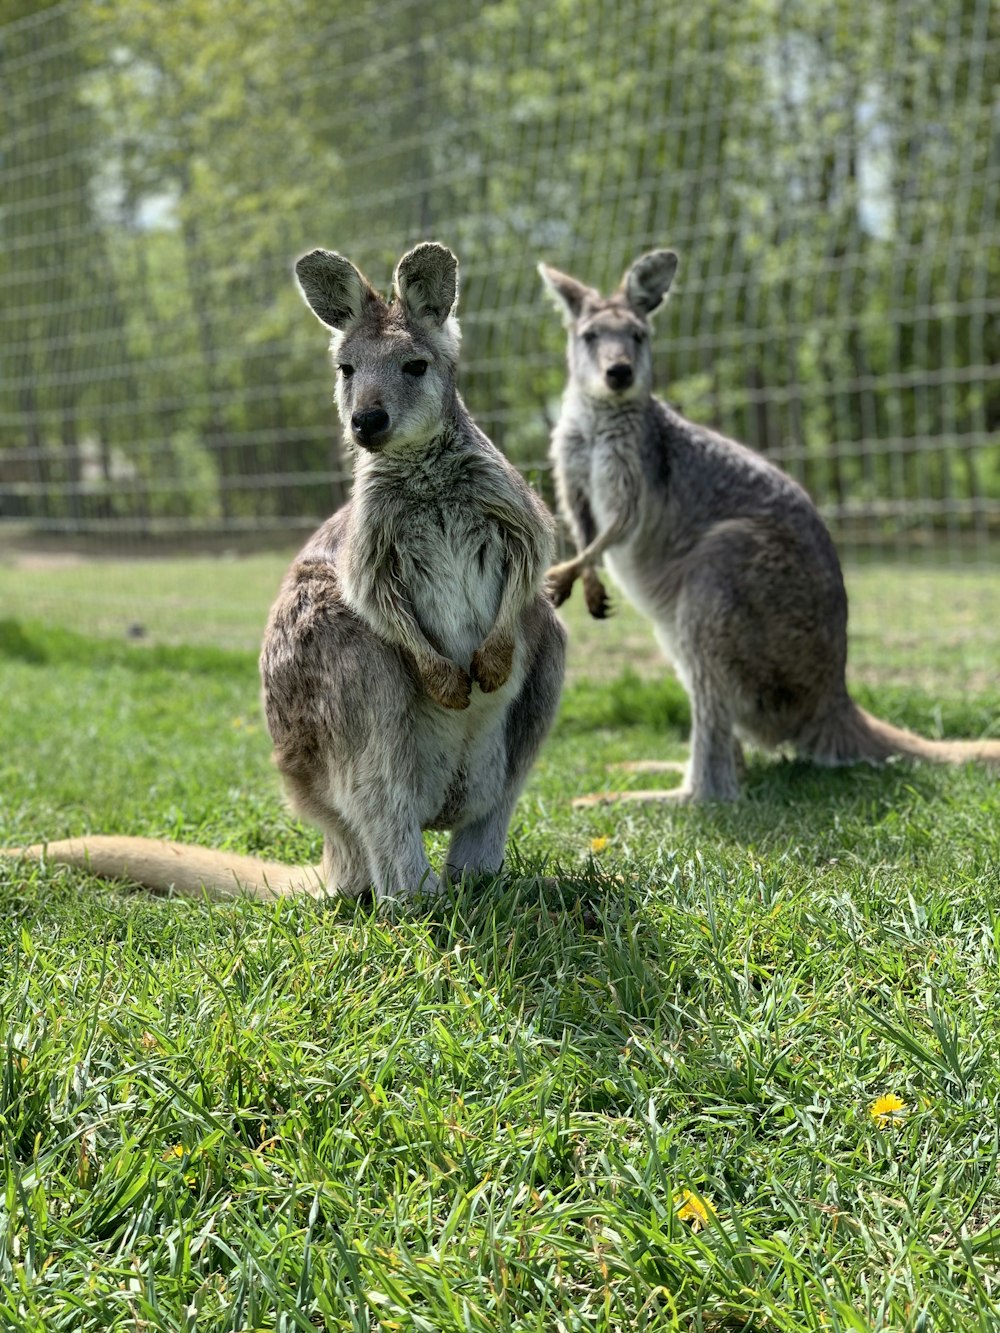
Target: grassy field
[930, 625]
[634, 1088]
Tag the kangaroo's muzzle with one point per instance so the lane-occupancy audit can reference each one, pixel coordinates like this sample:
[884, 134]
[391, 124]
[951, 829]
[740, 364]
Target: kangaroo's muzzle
[370, 426]
[619, 376]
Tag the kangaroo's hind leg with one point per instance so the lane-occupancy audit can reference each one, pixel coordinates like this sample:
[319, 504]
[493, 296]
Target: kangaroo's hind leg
[713, 769]
[715, 766]
[345, 867]
[711, 774]
[395, 846]
[477, 846]
[340, 709]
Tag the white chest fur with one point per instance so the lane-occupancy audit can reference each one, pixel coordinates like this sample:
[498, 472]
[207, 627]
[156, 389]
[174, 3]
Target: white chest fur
[606, 503]
[454, 582]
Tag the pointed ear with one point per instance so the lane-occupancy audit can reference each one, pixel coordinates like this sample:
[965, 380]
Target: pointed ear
[568, 294]
[426, 282]
[647, 282]
[333, 288]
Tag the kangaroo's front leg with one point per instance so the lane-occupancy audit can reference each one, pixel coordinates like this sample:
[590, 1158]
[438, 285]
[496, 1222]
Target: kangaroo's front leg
[384, 605]
[526, 554]
[560, 578]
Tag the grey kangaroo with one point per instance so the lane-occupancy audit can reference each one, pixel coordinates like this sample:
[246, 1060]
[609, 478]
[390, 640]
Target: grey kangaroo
[412, 663]
[723, 552]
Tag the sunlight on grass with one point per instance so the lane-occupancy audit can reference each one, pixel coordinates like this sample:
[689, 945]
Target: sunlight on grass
[728, 1068]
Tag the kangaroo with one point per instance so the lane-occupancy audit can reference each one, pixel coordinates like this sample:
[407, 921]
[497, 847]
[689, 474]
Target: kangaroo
[412, 663]
[726, 555]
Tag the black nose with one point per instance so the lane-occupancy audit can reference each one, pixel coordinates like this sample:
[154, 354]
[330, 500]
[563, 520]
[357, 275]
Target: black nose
[366, 425]
[619, 376]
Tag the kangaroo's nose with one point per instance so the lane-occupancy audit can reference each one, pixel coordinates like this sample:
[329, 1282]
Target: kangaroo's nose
[370, 423]
[619, 376]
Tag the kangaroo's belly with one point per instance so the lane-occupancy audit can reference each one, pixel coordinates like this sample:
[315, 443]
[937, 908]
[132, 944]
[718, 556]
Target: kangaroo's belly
[634, 580]
[462, 755]
[651, 580]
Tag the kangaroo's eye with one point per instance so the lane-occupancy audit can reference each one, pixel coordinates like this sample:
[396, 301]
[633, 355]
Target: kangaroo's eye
[346, 371]
[415, 368]
[590, 336]
[640, 336]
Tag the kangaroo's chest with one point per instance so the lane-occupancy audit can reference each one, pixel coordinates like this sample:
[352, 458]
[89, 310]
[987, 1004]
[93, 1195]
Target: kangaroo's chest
[619, 482]
[452, 569]
[614, 484]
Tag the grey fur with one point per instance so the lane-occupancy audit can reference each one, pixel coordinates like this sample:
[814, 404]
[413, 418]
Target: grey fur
[726, 554]
[333, 288]
[411, 664]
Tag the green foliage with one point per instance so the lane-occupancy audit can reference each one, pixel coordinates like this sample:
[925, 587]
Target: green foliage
[492, 1113]
[823, 169]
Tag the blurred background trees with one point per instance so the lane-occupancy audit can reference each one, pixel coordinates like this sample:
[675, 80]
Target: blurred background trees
[827, 169]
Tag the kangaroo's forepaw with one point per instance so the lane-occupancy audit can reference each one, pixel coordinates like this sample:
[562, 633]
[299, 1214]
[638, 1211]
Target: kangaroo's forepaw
[447, 684]
[595, 594]
[492, 663]
[559, 582]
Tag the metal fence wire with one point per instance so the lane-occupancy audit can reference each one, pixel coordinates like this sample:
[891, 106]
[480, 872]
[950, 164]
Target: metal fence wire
[828, 171]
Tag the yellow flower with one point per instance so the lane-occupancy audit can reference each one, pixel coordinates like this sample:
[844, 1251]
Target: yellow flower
[693, 1208]
[598, 845]
[887, 1107]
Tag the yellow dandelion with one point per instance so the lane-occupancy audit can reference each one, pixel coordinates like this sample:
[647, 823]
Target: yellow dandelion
[887, 1107]
[173, 1152]
[597, 845]
[693, 1208]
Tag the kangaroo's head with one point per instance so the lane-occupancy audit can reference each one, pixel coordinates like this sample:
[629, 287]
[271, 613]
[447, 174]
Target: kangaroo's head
[396, 359]
[609, 355]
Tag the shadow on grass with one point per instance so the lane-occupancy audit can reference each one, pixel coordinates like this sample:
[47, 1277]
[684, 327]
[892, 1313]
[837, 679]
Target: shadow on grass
[610, 955]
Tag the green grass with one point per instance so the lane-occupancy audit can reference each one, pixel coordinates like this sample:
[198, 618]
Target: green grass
[928, 625]
[483, 1116]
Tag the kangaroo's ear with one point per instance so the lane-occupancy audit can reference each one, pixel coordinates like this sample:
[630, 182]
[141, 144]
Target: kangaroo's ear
[568, 294]
[426, 282]
[333, 288]
[647, 282]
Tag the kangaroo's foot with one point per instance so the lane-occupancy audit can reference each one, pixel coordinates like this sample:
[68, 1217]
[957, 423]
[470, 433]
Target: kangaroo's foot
[673, 796]
[648, 766]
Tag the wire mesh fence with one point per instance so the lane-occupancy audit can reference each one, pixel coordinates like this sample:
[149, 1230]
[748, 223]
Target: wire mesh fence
[828, 171]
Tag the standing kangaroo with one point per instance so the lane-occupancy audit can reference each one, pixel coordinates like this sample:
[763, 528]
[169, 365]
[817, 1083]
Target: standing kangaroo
[411, 664]
[723, 552]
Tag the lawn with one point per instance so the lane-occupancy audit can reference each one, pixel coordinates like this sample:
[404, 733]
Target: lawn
[634, 1088]
[922, 621]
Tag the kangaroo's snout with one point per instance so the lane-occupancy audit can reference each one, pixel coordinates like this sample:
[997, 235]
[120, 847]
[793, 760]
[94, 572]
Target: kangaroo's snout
[369, 425]
[620, 375]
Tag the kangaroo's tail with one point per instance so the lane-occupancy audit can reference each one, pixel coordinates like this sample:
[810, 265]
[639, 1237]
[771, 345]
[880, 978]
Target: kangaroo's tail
[175, 867]
[849, 735]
